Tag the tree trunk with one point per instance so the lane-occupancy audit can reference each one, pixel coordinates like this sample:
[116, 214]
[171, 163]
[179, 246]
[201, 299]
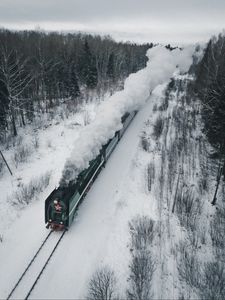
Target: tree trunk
[223, 171]
[14, 125]
[6, 163]
[217, 185]
[22, 117]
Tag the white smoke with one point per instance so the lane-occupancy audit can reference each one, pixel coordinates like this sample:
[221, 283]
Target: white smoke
[160, 67]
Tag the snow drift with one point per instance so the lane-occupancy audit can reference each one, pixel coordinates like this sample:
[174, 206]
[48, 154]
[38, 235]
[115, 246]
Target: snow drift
[160, 67]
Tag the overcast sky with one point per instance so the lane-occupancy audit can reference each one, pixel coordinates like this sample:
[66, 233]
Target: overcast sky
[174, 21]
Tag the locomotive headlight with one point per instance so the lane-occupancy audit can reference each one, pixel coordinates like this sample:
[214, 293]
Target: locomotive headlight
[49, 220]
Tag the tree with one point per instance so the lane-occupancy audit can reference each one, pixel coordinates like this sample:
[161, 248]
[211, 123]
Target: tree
[142, 265]
[111, 66]
[210, 88]
[15, 79]
[74, 90]
[102, 285]
[37, 69]
[89, 70]
[141, 273]
[4, 103]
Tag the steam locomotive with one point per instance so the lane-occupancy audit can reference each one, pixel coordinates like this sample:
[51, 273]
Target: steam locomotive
[61, 204]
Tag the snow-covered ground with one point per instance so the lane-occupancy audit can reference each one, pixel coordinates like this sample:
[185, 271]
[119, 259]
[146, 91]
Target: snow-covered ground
[48, 149]
[99, 234]
[146, 174]
[184, 183]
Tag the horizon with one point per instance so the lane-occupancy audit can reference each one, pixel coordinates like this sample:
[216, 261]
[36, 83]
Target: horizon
[177, 22]
[117, 37]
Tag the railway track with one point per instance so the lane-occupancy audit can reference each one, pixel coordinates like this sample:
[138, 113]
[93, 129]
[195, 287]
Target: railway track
[29, 278]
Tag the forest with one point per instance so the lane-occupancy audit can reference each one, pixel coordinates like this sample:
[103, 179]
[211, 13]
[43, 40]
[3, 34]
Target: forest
[209, 87]
[41, 70]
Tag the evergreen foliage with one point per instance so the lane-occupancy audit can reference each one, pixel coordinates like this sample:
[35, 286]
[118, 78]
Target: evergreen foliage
[89, 70]
[74, 90]
[110, 67]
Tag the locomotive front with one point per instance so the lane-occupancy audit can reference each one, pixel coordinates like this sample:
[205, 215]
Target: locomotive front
[56, 211]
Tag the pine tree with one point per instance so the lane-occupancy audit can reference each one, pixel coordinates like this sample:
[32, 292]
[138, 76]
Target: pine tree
[74, 90]
[111, 66]
[89, 70]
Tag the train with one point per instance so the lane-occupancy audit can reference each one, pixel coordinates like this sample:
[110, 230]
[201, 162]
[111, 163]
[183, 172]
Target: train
[62, 203]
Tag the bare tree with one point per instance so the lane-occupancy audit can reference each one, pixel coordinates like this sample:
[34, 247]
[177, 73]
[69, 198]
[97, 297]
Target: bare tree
[207, 280]
[213, 283]
[102, 285]
[16, 79]
[142, 232]
[158, 127]
[27, 193]
[142, 265]
[145, 143]
[217, 231]
[150, 175]
[141, 272]
[188, 266]
[188, 207]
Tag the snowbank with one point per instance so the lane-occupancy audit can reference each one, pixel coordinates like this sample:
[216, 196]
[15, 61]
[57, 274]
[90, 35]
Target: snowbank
[160, 67]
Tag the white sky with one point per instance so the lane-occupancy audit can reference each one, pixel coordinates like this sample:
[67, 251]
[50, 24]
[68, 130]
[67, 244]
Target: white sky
[174, 21]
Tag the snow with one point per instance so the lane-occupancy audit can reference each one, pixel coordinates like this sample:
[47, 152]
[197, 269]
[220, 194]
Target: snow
[100, 233]
[100, 227]
[160, 67]
[54, 146]
[35, 268]
[101, 237]
[181, 123]
[22, 226]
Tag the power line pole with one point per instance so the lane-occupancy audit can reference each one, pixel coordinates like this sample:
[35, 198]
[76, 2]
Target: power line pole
[220, 172]
[6, 163]
[217, 185]
[175, 196]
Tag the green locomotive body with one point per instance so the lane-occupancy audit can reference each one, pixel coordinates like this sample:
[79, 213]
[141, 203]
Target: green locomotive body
[61, 204]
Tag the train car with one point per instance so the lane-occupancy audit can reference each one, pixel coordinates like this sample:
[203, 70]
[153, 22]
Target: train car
[61, 204]
[126, 120]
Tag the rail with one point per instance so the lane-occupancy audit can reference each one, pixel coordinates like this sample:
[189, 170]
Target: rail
[32, 261]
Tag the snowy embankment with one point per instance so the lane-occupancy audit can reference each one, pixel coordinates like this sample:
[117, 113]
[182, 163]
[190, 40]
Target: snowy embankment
[100, 233]
[23, 194]
[36, 158]
[181, 177]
